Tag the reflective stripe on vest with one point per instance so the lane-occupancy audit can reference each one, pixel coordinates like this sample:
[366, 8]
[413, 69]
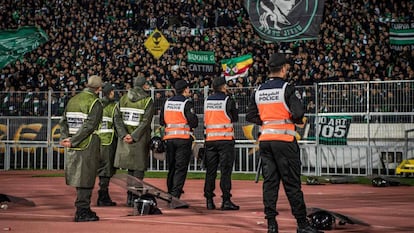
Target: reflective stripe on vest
[131, 116]
[105, 128]
[76, 114]
[75, 121]
[101, 131]
[277, 122]
[178, 126]
[132, 112]
[178, 132]
[106, 131]
[219, 134]
[275, 115]
[279, 131]
[217, 123]
[218, 126]
[175, 121]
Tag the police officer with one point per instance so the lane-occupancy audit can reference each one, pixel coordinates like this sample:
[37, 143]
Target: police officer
[79, 123]
[220, 112]
[109, 139]
[179, 119]
[136, 109]
[276, 108]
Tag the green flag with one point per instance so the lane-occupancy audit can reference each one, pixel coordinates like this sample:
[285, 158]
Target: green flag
[201, 62]
[401, 35]
[205, 57]
[15, 43]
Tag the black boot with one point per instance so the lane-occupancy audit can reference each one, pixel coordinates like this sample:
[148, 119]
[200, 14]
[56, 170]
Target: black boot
[130, 200]
[228, 205]
[305, 227]
[85, 215]
[308, 229]
[104, 199]
[272, 226]
[210, 204]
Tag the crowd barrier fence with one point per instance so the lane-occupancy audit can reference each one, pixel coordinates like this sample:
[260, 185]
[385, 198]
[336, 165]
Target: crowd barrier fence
[352, 128]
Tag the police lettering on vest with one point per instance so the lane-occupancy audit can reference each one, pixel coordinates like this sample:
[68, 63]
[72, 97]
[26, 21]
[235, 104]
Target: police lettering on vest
[217, 123]
[176, 123]
[274, 113]
[269, 96]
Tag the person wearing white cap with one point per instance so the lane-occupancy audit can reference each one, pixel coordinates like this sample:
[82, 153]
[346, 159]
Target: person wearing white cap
[79, 125]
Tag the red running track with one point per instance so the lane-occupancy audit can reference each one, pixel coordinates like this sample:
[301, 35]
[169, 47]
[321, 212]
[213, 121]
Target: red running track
[387, 210]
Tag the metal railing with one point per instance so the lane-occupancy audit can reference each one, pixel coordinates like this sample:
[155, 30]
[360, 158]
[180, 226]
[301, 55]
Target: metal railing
[378, 121]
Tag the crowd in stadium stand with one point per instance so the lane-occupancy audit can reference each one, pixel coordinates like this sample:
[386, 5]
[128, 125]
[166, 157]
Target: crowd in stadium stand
[107, 38]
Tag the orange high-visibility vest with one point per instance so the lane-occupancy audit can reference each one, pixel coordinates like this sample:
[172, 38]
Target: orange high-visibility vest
[217, 123]
[274, 114]
[176, 123]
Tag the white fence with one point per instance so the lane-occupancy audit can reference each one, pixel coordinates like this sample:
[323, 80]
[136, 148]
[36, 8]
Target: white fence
[359, 128]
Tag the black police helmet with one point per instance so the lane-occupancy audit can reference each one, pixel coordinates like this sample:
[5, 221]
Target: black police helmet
[312, 181]
[380, 182]
[147, 204]
[322, 220]
[157, 145]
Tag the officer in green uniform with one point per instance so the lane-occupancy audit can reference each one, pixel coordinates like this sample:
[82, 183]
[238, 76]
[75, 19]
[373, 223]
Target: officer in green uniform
[108, 136]
[136, 109]
[79, 125]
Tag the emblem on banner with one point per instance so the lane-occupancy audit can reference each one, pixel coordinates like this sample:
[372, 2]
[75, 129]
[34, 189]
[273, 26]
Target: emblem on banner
[285, 20]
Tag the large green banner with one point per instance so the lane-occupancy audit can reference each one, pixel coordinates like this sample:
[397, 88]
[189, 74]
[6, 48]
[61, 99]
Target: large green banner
[15, 43]
[284, 21]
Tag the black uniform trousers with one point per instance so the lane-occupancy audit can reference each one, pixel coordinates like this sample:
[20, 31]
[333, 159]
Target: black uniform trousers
[178, 157]
[83, 198]
[281, 162]
[106, 165]
[218, 153]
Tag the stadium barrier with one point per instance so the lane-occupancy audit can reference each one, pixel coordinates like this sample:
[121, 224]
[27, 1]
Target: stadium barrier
[355, 128]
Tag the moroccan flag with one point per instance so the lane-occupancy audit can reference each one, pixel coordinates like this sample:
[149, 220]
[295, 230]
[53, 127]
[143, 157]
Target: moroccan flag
[402, 34]
[236, 67]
